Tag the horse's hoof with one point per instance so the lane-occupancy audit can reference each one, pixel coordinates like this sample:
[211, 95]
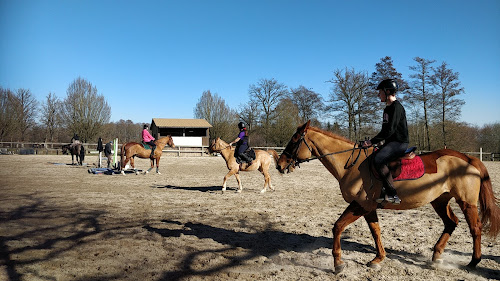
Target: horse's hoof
[340, 268]
[158, 173]
[263, 191]
[438, 261]
[374, 266]
[123, 172]
[239, 191]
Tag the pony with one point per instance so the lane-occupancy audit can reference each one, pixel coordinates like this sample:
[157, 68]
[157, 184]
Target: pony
[448, 174]
[262, 162]
[130, 150]
[77, 150]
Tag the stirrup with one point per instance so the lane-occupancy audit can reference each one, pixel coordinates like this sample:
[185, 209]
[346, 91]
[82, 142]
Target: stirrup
[389, 199]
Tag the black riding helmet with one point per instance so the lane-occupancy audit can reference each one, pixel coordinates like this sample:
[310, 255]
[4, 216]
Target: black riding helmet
[388, 84]
[241, 125]
[146, 126]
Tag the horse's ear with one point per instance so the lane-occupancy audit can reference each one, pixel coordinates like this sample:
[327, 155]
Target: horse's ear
[308, 123]
[304, 127]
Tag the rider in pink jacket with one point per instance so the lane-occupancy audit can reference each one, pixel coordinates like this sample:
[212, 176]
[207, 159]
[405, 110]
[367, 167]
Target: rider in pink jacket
[147, 138]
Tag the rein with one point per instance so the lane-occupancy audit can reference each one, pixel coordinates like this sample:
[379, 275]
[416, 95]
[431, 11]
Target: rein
[299, 161]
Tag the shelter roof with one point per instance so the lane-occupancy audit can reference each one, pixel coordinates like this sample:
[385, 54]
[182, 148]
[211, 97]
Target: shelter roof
[181, 123]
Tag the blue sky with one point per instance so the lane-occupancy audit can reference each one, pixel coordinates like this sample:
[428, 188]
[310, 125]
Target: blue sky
[155, 58]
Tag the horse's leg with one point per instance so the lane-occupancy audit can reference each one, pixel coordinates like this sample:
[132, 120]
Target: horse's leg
[240, 187]
[372, 220]
[229, 174]
[124, 164]
[443, 209]
[158, 165]
[475, 226]
[353, 212]
[132, 164]
[267, 179]
[152, 166]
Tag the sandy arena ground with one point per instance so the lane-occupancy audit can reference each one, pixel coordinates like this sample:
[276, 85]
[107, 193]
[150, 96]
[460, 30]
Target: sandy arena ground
[58, 222]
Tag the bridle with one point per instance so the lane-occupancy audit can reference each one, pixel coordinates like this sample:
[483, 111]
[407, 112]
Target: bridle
[295, 146]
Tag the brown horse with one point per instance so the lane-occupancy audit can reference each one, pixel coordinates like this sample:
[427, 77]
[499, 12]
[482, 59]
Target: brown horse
[262, 162]
[132, 149]
[448, 174]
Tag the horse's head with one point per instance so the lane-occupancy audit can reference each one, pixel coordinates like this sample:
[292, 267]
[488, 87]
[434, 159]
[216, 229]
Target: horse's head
[170, 142]
[217, 145]
[296, 150]
[65, 149]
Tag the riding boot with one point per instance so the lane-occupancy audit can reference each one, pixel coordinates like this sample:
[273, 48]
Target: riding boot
[388, 193]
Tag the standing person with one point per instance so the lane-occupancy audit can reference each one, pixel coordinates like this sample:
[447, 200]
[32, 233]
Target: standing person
[147, 138]
[241, 145]
[393, 136]
[100, 149]
[108, 152]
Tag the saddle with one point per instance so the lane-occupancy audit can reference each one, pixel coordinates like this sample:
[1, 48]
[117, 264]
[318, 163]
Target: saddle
[248, 156]
[406, 167]
[146, 146]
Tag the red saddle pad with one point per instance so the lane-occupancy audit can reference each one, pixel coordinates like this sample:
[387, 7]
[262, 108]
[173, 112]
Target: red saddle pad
[411, 169]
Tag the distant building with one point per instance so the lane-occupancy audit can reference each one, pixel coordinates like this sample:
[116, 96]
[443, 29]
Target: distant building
[185, 132]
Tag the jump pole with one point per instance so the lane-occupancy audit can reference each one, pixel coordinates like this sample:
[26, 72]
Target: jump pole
[115, 154]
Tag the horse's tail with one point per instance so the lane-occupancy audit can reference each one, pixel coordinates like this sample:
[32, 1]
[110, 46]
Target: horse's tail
[82, 154]
[490, 212]
[122, 154]
[274, 154]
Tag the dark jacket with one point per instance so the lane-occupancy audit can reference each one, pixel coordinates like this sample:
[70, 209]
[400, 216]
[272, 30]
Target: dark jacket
[107, 149]
[99, 145]
[394, 127]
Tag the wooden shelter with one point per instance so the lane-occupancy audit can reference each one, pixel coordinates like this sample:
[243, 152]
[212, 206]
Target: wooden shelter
[185, 132]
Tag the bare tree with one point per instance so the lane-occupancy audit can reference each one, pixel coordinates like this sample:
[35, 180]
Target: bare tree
[7, 120]
[85, 111]
[249, 113]
[214, 109]
[124, 130]
[286, 119]
[489, 137]
[420, 92]
[51, 115]
[347, 97]
[267, 94]
[385, 70]
[446, 82]
[309, 103]
[25, 108]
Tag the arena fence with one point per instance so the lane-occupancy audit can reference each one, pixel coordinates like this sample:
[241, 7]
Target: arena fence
[50, 148]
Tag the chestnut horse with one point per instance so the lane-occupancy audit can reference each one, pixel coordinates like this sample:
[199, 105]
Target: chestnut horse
[448, 174]
[262, 162]
[132, 149]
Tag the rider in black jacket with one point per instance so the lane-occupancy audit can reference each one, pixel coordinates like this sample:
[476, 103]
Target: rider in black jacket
[393, 138]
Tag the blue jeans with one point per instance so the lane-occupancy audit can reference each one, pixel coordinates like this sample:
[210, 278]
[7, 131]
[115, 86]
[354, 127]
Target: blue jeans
[389, 152]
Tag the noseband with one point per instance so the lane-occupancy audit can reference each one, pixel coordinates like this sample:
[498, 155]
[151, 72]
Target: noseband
[295, 151]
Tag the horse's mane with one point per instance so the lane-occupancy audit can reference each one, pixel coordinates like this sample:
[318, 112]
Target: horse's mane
[330, 134]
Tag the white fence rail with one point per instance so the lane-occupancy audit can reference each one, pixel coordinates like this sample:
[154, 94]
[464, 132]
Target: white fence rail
[179, 151]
